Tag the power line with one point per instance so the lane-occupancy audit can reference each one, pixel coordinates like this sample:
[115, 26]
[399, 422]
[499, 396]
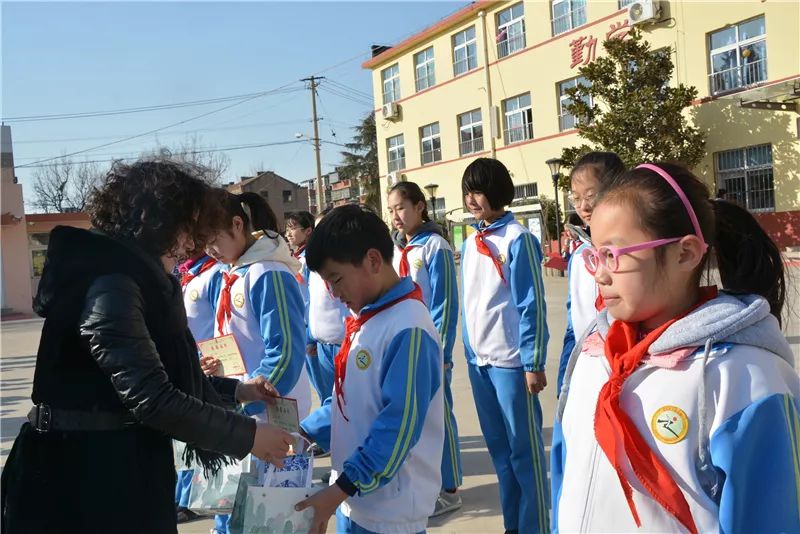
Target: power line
[348, 88]
[184, 153]
[347, 97]
[159, 107]
[151, 131]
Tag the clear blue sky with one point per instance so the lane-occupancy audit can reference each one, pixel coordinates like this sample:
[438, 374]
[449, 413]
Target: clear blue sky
[83, 57]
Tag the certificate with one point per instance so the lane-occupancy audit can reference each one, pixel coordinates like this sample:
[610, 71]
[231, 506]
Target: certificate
[283, 414]
[226, 350]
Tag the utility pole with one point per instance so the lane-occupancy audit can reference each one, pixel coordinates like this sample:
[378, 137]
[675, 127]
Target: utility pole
[313, 81]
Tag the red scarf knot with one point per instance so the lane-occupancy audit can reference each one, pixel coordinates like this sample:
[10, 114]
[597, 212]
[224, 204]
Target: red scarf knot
[224, 311]
[351, 326]
[404, 267]
[484, 249]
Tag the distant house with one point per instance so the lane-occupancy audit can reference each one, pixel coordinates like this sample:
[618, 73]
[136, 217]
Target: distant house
[284, 196]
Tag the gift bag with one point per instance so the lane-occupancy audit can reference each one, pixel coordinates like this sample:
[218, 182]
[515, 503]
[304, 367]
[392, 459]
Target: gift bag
[217, 493]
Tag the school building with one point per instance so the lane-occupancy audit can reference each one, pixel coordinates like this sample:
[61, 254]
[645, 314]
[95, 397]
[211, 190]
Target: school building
[489, 81]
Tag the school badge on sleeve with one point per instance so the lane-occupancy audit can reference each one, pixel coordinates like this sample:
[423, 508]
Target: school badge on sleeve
[669, 424]
[363, 359]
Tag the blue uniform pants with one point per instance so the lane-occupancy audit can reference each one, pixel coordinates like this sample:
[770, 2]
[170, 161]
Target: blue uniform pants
[451, 456]
[345, 526]
[511, 422]
[320, 369]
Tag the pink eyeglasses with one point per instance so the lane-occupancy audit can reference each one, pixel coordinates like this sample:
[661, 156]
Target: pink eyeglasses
[608, 257]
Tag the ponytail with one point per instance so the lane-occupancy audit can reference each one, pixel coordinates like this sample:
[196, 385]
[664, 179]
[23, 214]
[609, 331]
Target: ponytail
[748, 260]
[252, 209]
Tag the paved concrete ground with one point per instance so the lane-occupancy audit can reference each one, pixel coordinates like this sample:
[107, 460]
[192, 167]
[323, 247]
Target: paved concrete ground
[480, 513]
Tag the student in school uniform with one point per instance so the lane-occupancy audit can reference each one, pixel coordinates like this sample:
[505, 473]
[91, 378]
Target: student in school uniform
[259, 302]
[505, 342]
[299, 225]
[423, 253]
[385, 422]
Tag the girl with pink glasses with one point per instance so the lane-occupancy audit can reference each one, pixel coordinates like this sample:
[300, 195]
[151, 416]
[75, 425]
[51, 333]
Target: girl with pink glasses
[684, 416]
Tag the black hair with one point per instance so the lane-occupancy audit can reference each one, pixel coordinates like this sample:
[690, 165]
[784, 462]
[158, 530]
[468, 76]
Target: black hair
[575, 219]
[152, 202]
[345, 235]
[257, 217]
[747, 258]
[606, 165]
[303, 219]
[412, 192]
[490, 177]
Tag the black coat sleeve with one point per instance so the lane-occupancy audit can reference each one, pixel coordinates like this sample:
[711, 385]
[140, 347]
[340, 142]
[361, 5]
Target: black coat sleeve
[113, 323]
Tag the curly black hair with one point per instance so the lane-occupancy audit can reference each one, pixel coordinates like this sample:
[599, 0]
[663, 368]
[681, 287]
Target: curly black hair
[152, 202]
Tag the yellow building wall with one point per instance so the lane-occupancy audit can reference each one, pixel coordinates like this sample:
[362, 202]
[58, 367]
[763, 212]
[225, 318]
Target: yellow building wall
[546, 61]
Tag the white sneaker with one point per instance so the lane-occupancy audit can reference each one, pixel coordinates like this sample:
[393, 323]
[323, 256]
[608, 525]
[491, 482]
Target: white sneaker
[446, 502]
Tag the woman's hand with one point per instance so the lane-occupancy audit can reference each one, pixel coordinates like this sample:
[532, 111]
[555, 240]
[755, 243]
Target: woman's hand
[271, 443]
[256, 389]
[211, 366]
[536, 381]
[324, 504]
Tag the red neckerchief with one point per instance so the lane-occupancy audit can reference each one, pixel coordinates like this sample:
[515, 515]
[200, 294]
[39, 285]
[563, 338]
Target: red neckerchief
[599, 303]
[299, 251]
[188, 276]
[224, 310]
[404, 268]
[483, 248]
[617, 434]
[351, 326]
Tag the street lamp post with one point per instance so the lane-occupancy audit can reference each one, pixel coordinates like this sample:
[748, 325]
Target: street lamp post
[431, 189]
[555, 171]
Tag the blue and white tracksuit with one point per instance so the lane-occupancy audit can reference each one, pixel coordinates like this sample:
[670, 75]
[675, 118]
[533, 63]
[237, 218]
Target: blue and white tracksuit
[200, 318]
[267, 320]
[581, 311]
[505, 334]
[390, 445]
[326, 315]
[727, 371]
[432, 267]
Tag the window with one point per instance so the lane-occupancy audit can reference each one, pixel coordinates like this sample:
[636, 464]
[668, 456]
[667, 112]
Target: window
[625, 3]
[37, 262]
[518, 118]
[439, 210]
[738, 55]
[397, 153]
[568, 14]
[746, 176]
[391, 83]
[424, 67]
[287, 196]
[567, 121]
[510, 30]
[39, 239]
[523, 193]
[431, 143]
[465, 51]
[470, 132]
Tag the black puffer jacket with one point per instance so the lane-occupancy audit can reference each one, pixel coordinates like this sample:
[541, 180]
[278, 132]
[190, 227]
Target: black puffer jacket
[115, 340]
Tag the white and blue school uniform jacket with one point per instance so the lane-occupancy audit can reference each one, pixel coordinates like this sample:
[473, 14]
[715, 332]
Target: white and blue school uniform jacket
[716, 400]
[390, 445]
[504, 323]
[432, 267]
[581, 311]
[326, 313]
[198, 299]
[302, 278]
[267, 314]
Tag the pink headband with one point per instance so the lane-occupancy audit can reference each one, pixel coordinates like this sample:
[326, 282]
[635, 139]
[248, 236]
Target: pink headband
[671, 181]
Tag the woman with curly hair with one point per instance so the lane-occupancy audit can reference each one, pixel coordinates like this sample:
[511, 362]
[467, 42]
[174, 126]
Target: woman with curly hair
[117, 374]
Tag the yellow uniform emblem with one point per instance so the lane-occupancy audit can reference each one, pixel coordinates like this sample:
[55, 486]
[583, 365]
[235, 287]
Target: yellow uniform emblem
[418, 264]
[501, 258]
[238, 300]
[194, 295]
[669, 424]
[363, 359]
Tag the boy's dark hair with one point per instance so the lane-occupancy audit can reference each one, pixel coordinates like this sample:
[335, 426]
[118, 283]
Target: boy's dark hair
[152, 202]
[303, 219]
[747, 259]
[257, 217]
[490, 177]
[345, 235]
[412, 192]
[606, 165]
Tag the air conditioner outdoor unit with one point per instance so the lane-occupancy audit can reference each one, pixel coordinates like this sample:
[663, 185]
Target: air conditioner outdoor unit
[395, 178]
[642, 11]
[390, 111]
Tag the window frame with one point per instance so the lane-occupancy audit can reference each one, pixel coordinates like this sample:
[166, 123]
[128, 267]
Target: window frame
[398, 163]
[737, 47]
[527, 125]
[429, 65]
[471, 127]
[504, 48]
[432, 137]
[563, 97]
[393, 81]
[574, 9]
[469, 43]
[747, 174]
